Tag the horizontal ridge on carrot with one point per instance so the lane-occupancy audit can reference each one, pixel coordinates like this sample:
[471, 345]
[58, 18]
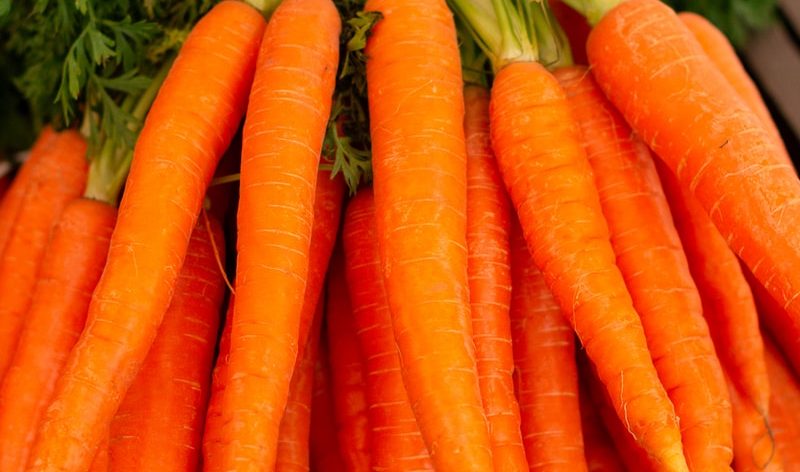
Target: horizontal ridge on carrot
[173, 163]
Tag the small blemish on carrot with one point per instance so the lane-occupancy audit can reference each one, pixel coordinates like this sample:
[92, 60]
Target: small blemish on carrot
[724, 144]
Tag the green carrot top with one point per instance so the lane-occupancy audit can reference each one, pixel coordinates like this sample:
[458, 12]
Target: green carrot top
[511, 31]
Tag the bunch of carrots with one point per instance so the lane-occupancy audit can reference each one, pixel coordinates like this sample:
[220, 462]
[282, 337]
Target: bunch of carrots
[404, 235]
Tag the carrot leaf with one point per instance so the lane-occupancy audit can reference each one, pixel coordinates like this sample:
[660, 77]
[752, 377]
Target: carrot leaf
[347, 145]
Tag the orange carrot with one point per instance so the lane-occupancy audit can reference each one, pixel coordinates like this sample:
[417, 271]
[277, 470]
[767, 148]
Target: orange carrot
[721, 53]
[655, 72]
[173, 163]
[159, 424]
[754, 448]
[396, 442]
[348, 382]
[286, 119]
[324, 444]
[784, 406]
[656, 271]
[10, 204]
[58, 178]
[728, 303]
[100, 462]
[546, 376]
[70, 269]
[545, 168]
[488, 214]
[601, 456]
[294, 436]
[212, 434]
[419, 164]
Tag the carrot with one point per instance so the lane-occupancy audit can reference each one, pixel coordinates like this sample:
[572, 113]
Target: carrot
[488, 215]
[721, 53]
[656, 271]
[212, 434]
[601, 456]
[286, 119]
[784, 406]
[419, 165]
[173, 163]
[783, 327]
[294, 436]
[59, 177]
[546, 376]
[323, 441]
[160, 422]
[753, 446]
[547, 174]
[15, 194]
[396, 442]
[655, 72]
[71, 266]
[728, 303]
[348, 382]
[100, 461]
[633, 456]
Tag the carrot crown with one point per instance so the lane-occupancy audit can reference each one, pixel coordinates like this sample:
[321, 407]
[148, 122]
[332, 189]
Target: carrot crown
[109, 168]
[593, 10]
[510, 31]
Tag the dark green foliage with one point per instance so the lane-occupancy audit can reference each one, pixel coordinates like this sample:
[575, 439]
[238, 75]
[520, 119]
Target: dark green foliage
[736, 18]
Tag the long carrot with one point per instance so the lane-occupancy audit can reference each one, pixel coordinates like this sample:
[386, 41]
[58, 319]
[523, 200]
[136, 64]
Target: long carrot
[396, 442]
[173, 163]
[159, 424]
[601, 456]
[728, 303]
[294, 436]
[59, 177]
[546, 375]
[70, 269]
[15, 194]
[347, 364]
[547, 174]
[754, 448]
[212, 434]
[419, 164]
[784, 412]
[656, 271]
[323, 441]
[721, 53]
[286, 119]
[652, 68]
[488, 216]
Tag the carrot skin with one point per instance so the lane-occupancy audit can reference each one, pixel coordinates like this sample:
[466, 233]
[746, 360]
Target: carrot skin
[159, 424]
[324, 444]
[601, 455]
[488, 216]
[173, 162]
[59, 178]
[656, 272]
[396, 442]
[722, 54]
[754, 448]
[348, 380]
[692, 118]
[784, 407]
[294, 435]
[100, 461]
[419, 164]
[19, 187]
[286, 119]
[212, 433]
[71, 266]
[537, 144]
[545, 371]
